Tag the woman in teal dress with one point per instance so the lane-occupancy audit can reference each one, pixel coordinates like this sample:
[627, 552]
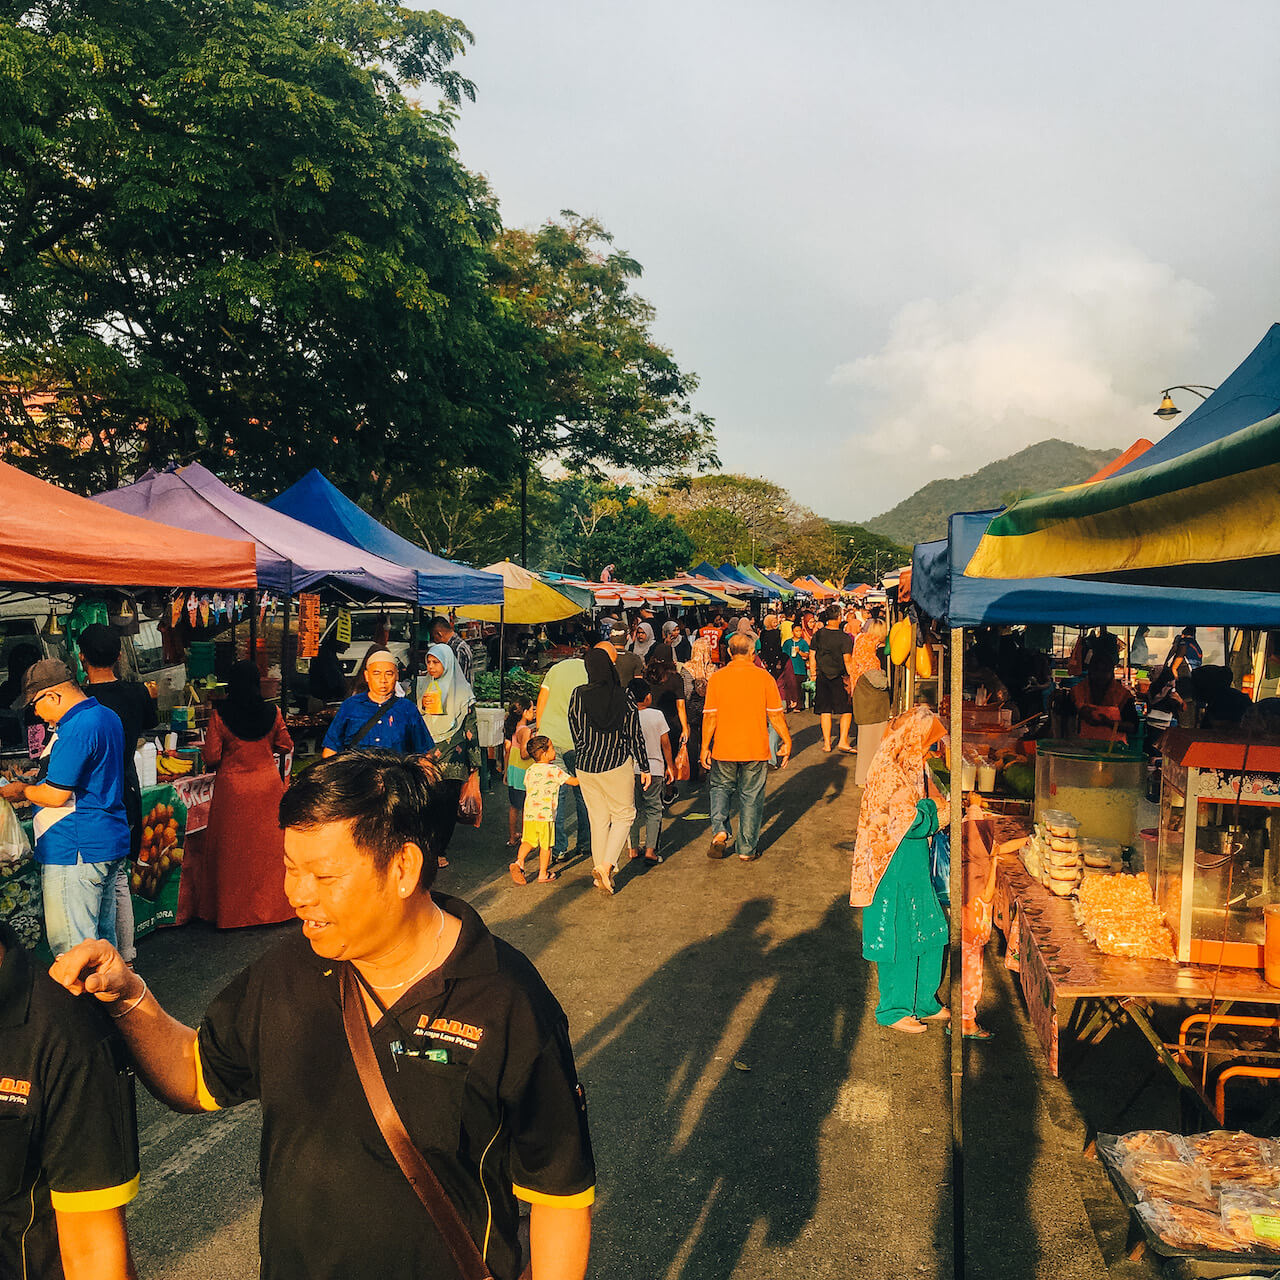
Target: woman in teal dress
[904, 931]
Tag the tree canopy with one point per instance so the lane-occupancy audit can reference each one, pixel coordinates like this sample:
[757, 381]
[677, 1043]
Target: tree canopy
[226, 232]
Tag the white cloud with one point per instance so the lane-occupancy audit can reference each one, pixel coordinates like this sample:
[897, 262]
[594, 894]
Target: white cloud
[1070, 343]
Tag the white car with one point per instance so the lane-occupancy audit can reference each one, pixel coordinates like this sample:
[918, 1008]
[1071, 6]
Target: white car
[364, 625]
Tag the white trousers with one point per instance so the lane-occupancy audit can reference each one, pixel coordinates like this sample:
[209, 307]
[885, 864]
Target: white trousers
[611, 806]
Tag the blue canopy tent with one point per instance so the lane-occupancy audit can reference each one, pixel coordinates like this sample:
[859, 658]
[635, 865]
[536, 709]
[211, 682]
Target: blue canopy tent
[940, 589]
[1250, 393]
[731, 573]
[320, 504]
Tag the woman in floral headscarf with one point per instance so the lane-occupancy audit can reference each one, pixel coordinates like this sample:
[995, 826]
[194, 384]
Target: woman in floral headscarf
[903, 928]
[699, 668]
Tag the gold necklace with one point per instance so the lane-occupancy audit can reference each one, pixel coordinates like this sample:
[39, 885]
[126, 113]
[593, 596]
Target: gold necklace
[395, 986]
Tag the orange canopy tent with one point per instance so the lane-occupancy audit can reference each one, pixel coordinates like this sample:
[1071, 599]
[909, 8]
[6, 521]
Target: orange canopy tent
[1135, 450]
[49, 536]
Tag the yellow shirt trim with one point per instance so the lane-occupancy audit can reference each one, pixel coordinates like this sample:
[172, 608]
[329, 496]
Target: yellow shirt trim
[206, 1100]
[579, 1201]
[94, 1201]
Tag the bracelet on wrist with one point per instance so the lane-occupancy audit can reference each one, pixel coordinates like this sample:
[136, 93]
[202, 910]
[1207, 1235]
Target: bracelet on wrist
[134, 1003]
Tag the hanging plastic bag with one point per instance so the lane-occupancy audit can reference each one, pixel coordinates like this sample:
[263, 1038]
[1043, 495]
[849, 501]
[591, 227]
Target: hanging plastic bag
[14, 846]
[470, 805]
[940, 865]
[681, 765]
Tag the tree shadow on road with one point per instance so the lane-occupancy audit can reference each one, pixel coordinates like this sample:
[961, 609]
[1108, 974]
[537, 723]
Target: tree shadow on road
[709, 1089]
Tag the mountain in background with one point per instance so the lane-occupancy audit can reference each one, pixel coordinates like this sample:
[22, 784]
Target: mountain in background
[1047, 465]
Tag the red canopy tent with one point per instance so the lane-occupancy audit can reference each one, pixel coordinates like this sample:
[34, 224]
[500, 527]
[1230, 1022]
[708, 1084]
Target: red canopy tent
[48, 535]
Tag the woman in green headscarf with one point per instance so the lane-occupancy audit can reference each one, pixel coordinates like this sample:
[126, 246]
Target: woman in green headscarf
[449, 709]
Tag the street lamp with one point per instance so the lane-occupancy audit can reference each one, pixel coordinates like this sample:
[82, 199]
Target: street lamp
[1168, 409]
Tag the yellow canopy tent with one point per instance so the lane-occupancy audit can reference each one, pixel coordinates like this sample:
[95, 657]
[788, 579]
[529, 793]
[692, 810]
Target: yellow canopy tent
[526, 599]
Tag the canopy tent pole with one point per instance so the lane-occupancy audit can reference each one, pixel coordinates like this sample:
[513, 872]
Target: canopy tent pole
[286, 662]
[502, 654]
[957, 978]
[253, 627]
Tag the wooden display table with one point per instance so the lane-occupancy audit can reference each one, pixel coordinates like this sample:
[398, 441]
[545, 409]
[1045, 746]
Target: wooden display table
[1068, 983]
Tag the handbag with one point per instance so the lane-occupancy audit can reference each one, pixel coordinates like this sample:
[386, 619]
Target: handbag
[680, 766]
[470, 1261]
[470, 805]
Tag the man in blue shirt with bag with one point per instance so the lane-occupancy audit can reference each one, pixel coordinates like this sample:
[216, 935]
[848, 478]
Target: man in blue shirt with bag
[80, 825]
[379, 718]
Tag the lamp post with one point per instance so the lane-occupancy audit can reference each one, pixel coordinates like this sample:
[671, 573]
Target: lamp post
[1168, 409]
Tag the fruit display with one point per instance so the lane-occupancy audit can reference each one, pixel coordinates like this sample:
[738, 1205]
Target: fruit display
[174, 765]
[163, 827]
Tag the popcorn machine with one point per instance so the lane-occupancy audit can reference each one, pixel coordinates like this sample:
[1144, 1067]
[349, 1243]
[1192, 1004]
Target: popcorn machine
[1218, 863]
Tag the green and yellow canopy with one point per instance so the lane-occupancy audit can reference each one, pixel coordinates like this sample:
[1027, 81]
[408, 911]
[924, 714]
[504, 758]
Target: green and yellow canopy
[1209, 518]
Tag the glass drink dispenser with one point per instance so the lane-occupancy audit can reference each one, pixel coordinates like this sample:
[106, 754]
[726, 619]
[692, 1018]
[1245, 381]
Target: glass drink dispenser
[1100, 783]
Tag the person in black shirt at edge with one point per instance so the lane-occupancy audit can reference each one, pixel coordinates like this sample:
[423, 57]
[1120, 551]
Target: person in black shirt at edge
[473, 1047]
[68, 1133]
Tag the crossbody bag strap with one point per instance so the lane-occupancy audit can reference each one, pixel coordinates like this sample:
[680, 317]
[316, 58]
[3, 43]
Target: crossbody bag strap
[448, 1221]
[363, 731]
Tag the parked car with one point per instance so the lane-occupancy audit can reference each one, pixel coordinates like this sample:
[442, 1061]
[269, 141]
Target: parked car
[364, 626]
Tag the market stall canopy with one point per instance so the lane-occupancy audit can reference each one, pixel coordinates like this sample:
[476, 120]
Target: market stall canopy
[751, 572]
[704, 589]
[575, 588]
[941, 588]
[1249, 394]
[783, 585]
[1210, 518]
[723, 581]
[527, 599]
[1133, 452]
[315, 501]
[51, 536]
[291, 556]
[733, 573]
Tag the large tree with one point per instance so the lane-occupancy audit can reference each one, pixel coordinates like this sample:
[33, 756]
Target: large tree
[227, 232]
[586, 382]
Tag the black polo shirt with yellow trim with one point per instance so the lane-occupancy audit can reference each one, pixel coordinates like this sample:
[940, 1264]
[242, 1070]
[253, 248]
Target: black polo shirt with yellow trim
[68, 1129]
[477, 1059]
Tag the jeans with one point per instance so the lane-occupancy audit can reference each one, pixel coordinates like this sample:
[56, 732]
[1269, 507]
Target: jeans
[648, 813]
[567, 761]
[740, 784]
[79, 903]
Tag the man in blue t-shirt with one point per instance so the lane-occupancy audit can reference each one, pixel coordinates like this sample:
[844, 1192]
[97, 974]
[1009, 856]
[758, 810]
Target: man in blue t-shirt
[379, 718]
[81, 829]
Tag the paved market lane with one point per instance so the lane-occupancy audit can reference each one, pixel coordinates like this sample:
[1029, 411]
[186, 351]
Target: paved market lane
[750, 1119]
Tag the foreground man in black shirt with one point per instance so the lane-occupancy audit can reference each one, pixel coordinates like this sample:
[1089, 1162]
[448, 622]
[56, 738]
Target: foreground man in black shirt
[472, 1046]
[68, 1137]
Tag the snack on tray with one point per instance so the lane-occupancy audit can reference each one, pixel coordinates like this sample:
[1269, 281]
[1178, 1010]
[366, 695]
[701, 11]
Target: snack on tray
[1187, 1228]
[1234, 1157]
[1155, 1179]
[1058, 823]
[1120, 916]
[1150, 1142]
[1252, 1217]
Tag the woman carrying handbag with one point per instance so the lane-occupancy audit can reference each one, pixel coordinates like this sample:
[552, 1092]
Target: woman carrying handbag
[449, 709]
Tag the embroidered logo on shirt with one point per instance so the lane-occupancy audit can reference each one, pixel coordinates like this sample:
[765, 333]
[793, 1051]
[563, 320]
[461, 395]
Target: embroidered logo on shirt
[12, 1090]
[450, 1030]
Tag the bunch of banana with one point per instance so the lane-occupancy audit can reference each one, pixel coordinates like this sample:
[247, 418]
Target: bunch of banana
[174, 765]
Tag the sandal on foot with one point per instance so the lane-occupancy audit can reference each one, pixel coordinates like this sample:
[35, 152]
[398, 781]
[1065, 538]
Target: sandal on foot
[943, 1015]
[748, 857]
[653, 859]
[517, 873]
[912, 1026]
[549, 877]
[602, 881]
[719, 849]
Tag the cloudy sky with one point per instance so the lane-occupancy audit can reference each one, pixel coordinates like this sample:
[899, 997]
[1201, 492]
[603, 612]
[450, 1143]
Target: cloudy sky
[897, 241]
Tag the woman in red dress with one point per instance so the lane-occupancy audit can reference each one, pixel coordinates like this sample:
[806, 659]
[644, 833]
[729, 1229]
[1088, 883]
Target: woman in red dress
[241, 867]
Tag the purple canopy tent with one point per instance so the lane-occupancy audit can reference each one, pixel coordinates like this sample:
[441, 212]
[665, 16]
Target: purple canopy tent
[291, 556]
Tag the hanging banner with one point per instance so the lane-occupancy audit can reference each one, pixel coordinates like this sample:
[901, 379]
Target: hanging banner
[344, 627]
[308, 625]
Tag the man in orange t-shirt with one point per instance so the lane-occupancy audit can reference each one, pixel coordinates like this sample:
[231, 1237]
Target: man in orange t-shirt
[742, 702]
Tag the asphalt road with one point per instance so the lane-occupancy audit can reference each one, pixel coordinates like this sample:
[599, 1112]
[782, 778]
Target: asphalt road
[749, 1118]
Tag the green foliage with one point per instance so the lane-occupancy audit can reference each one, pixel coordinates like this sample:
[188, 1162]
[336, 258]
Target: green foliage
[717, 535]
[1048, 465]
[226, 232]
[586, 382]
[519, 683]
[642, 547]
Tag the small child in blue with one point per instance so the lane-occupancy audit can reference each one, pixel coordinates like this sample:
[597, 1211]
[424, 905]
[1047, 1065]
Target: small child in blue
[542, 782]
